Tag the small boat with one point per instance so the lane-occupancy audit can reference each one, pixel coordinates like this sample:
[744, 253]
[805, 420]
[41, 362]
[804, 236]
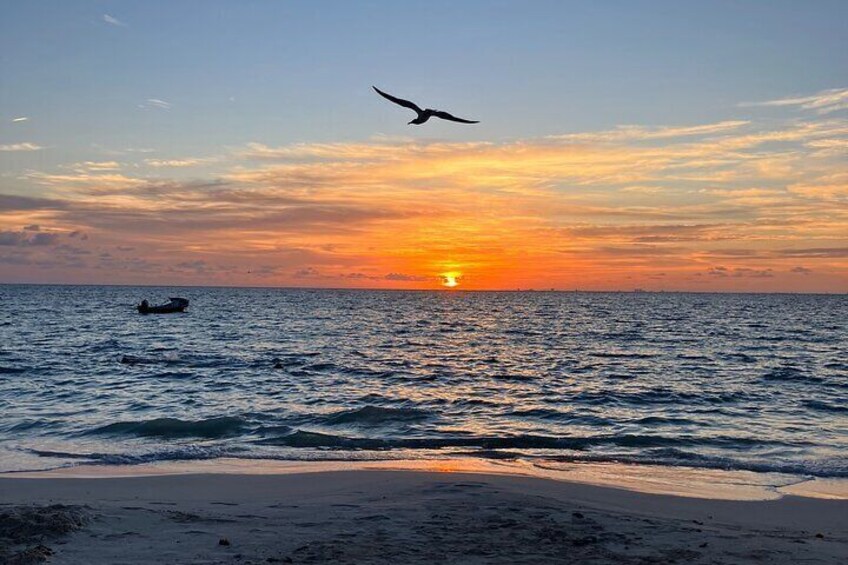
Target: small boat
[172, 307]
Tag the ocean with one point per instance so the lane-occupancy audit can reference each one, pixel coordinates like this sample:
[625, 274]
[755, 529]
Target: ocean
[754, 382]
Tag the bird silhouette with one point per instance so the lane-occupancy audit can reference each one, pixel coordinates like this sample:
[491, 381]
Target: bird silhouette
[423, 115]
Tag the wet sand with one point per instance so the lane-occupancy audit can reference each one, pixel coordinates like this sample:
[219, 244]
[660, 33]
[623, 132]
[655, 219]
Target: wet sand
[388, 516]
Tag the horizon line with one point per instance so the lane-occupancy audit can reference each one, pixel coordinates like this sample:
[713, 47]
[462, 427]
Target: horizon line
[440, 290]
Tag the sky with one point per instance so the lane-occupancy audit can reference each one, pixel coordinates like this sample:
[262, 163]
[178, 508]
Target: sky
[662, 145]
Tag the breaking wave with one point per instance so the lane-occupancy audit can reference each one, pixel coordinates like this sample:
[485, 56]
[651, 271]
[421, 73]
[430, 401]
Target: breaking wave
[175, 428]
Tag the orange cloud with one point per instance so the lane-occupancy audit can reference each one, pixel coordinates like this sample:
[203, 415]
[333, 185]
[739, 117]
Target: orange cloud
[634, 206]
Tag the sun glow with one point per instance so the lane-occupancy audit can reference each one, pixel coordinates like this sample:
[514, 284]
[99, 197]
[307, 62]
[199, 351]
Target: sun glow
[450, 280]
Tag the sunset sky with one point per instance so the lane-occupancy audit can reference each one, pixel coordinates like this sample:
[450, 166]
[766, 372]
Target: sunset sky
[658, 145]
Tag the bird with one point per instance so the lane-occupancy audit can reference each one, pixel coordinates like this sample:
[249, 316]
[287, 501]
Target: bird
[423, 115]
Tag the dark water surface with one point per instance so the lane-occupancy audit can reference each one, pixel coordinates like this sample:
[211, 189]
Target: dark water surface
[756, 382]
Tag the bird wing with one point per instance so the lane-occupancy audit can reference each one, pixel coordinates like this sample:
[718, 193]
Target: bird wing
[398, 101]
[446, 116]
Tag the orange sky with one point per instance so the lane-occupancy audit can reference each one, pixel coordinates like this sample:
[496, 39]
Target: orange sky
[736, 205]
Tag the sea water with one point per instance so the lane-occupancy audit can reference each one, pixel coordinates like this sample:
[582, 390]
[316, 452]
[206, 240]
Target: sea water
[751, 382]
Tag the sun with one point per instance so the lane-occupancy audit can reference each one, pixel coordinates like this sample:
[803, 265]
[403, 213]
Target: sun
[451, 279]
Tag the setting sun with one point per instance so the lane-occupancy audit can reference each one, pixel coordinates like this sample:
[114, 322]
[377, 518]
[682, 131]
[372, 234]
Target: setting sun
[451, 280]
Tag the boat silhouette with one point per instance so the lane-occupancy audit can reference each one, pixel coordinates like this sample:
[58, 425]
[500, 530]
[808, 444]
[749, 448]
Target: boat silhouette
[176, 305]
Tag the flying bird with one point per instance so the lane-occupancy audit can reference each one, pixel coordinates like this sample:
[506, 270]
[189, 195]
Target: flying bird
[423, 115]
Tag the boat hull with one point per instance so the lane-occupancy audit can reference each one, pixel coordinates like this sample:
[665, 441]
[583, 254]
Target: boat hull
[161, 309]
[175, 306]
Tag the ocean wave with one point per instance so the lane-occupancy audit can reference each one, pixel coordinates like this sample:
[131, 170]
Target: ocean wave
[825, 407]
[182, 453]
[376, 415]
[195, 361]
[133, 360]
[622, 355]
[654, 420]
[27, 425]
[559, 416]
[791, 375]
[274, 430]
[662, 396]
[304, 438]
[836, 467]
[175, 428]
[322, 367]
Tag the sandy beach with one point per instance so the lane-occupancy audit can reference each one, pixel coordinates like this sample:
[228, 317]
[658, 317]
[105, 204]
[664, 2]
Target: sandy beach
[390, 516]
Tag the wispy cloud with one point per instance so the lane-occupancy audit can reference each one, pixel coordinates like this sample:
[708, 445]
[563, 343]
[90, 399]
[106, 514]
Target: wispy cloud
[740, 272]
[20, 119]
[589, 210]
[94, 166]
[88, 181]
[829, 146]
[635, 133]
[178, 163]
[112, 20]
[155, 103]
[822, 102]
[128, 150]
[26, 146]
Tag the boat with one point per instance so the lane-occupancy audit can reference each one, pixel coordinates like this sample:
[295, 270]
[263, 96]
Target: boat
[176, 305]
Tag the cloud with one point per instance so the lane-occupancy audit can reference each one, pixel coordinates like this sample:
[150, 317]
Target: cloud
[530, 166]
[42, 238]
[815, 252]
[84, 181]
[588, 212]
[407, 278]
[201, 267]
[653, 233]
[308, 272]
[823, 102]
[753, 273]
[740, 272]
[830, 144]
[394, 277]
[112, 20]
[159, 163]
[386, 150]
[14, 203]
[20, 119]
[836, 191]
[125, 151]
[95, 166]
[801, 270]
[22, 238]
[155, 103]
[26, 146]
[639, 133]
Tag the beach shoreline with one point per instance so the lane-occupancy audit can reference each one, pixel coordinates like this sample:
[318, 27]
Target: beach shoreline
[365, 513]
[690, 482]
